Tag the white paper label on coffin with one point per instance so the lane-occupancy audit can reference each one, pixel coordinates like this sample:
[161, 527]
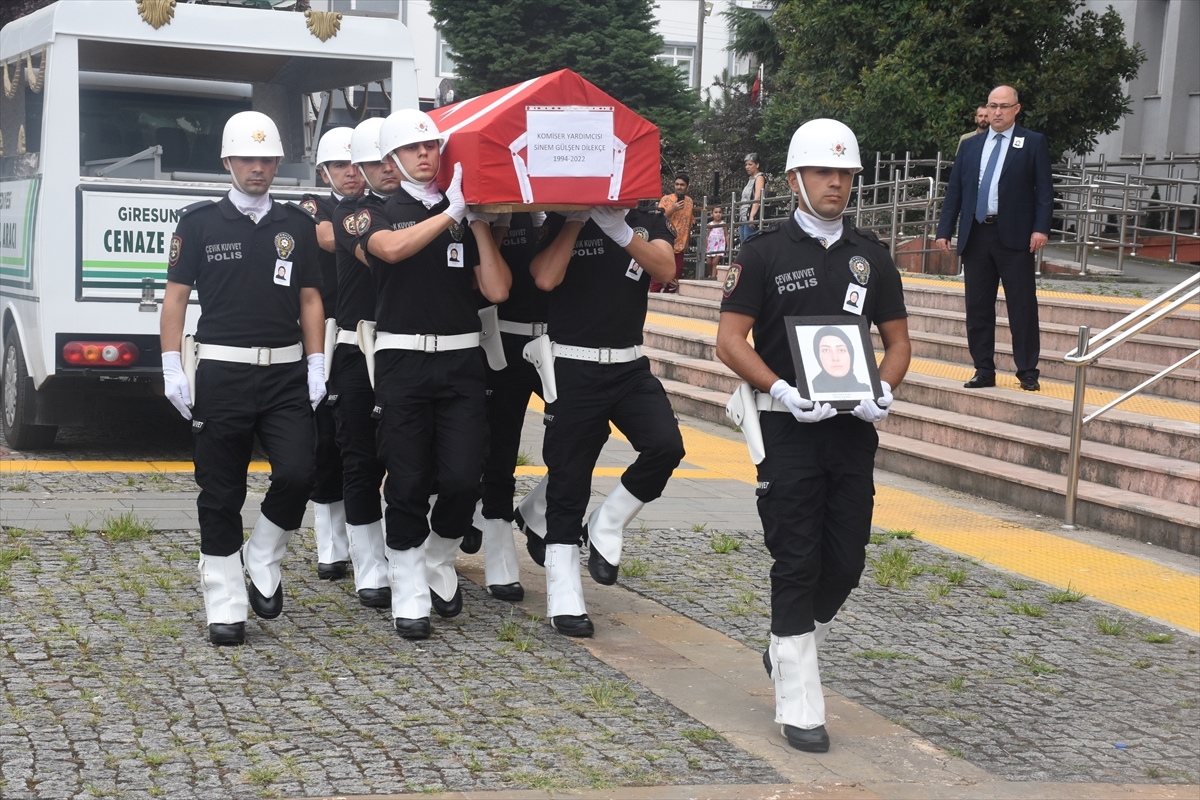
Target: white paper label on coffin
[569, 141]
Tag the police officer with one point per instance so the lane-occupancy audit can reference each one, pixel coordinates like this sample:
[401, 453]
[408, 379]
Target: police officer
[522, 318]
[815, 488]
[598, 268]
[329, 510]
[429, 370]
[254, 265]
[348, 375]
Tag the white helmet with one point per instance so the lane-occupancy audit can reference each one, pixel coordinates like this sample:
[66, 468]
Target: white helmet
[364, 144]
[823, 143]
[408, 126]
[251, 134]
[335, 145]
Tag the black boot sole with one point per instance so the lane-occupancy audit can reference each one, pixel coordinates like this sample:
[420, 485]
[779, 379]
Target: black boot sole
[332, 572]
[412, 628]
[446, 609]
[534, 544]
[578, 626]
[375, 598]
[266, 607]
[227, 633]
[601, 571]
[472, 542]
[511, 592]
[809, 741]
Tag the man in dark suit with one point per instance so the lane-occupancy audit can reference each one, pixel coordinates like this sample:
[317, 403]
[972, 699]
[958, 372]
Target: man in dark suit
[1002, 185]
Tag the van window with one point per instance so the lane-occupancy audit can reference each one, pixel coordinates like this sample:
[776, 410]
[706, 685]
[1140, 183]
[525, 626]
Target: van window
[115, 124]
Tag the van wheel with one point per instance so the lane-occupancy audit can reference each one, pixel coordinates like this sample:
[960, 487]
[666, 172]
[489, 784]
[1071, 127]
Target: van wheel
[18, 391]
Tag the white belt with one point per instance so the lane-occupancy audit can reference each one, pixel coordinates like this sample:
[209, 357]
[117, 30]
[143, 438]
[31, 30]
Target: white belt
[347, 337]
[766, 402]
[531, 329]
[425, 342]
[598, 355]
[260, 356]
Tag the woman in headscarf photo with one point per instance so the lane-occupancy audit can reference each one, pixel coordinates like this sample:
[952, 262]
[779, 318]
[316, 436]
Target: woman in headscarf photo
[835, 353]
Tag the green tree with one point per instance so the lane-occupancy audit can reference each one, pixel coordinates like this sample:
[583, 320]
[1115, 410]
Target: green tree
[611, 43]
[906, 75]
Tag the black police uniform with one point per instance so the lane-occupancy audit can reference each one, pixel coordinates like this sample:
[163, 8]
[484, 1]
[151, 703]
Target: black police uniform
[815, 486]
[601, 303]
[433, 418]
[234, 263]
[362, 469]
[508, 390]
[328, 488]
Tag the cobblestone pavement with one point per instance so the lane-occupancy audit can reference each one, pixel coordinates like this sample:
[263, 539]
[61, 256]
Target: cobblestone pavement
[1009, 674]
[110, 689]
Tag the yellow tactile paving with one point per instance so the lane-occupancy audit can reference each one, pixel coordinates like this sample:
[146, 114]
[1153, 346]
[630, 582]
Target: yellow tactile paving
[1089, 298]
[1141, 404]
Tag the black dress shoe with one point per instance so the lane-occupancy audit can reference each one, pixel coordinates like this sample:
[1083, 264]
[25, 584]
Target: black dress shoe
[980, 382]
[412, 628]
[332, 572]
[375, 598]
[227, 633]
[534, 544]
[472, 541]
[1030, 384]
[447, 608]
[266, 607]
[602, 572]
[512, 592]
[579, 626]
[815, 740]
[767, 662]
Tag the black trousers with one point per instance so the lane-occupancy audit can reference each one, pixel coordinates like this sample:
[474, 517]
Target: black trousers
[986, 264]
[328, 488]
[589, 397]
[816, 494]
[434, 423]
[362, 471]
[508, 394]
[235, 403]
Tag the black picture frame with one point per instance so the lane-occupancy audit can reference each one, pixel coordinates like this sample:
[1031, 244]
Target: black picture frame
[813, 378]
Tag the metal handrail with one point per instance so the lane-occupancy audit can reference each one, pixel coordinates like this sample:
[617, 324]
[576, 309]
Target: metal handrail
[1089, 349]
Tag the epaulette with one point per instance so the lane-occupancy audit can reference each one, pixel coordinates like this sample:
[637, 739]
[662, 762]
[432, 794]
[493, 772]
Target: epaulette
[195, 206]
[774, 227]
[871, 236]
[300, 209]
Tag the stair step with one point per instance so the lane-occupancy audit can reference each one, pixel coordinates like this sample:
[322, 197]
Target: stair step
[1145, 473]
[681, 306]
[1147, 519]
[694, 401]
[704, 290]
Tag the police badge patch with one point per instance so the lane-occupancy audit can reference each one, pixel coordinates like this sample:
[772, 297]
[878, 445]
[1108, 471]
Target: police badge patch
[309, 205]
[641, 233]
[456, 231]
[176, 247]
[362, 222]
[732, 278]
[284, 244]
[350, 226]
[861, 269]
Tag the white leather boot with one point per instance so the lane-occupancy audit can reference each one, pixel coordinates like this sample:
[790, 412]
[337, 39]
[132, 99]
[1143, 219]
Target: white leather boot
[564, 591]
[500, 571]
[367, 550]
[799, 703]
[263, 554]
[226, 607]
[822, 631]
[410, 592]
[606, 531]
[440, 556]
[333, 549]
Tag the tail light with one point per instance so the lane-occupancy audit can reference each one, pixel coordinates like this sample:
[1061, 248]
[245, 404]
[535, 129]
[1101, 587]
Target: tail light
[100, 354]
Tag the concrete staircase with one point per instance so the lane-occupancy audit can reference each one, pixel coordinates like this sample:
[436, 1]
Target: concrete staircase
[1140, 465]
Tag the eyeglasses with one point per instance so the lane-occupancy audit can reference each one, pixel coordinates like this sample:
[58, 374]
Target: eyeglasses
[999, 106]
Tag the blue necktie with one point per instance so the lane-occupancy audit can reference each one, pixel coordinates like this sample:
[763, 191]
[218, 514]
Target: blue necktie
[985, 185]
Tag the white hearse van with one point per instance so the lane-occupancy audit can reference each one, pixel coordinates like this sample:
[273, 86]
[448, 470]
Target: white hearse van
[111, 116]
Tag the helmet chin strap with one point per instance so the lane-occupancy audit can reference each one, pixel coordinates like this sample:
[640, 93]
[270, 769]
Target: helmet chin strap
[809, 206]
[396, 159]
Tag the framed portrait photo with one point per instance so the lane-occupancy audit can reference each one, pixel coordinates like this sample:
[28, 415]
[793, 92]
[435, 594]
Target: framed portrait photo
[834, 359]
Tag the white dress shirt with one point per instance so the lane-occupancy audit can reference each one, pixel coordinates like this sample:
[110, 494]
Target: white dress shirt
[993, 191]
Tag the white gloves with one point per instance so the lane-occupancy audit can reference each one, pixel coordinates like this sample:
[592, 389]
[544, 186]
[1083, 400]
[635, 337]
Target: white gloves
[175, 385]
[874, 411]
[493, 219]
[578, 216]
[803, 410]
[316, 379]
[612, 222]
[454, 193]
[539, 218]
